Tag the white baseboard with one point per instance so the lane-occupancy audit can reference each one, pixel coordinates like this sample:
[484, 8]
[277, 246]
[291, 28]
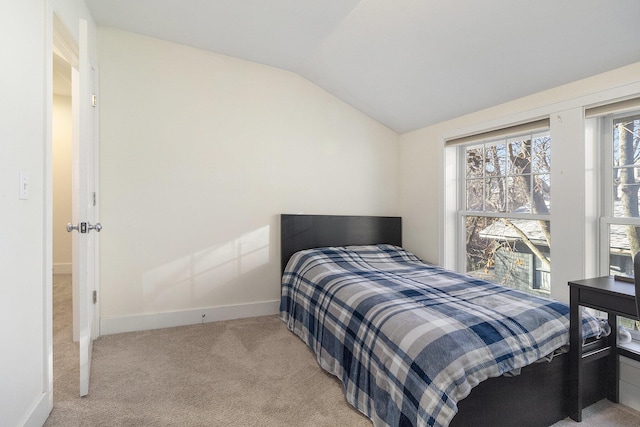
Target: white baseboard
[630, 383]
[40, 412]
[116, 325]
[630, 395]
[62, 268]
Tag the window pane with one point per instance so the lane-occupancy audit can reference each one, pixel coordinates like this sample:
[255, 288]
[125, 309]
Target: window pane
[474, 161]
[626, 177]
[542, 193]
[475, 194]
[626, 183]
[542, 154]
[519, 157]
[625, 141]
[513, 253]
[495, 159]
[495, 195]
[519, 193]
[622, 238]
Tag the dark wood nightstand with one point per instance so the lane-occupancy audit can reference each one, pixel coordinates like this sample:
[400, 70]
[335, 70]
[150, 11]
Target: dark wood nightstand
[617, 298]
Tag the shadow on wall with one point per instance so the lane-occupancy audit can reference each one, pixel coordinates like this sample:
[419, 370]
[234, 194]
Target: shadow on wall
[197, 275]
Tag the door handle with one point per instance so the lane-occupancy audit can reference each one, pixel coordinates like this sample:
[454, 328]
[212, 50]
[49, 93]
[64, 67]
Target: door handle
[84, 227]
[96, 227]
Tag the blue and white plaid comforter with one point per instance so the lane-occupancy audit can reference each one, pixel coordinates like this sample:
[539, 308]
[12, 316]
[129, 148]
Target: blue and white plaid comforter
[410, 340]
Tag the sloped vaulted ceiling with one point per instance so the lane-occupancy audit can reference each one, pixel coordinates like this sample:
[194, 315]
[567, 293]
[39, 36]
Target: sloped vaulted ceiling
[406, 63]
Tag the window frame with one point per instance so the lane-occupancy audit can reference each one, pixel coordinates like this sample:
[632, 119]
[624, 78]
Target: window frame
[607, 216]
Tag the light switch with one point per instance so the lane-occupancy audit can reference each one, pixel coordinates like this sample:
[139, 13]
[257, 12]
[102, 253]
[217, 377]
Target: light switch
[24, 186]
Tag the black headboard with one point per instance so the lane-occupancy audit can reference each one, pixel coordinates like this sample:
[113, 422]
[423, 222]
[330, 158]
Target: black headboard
[298, 232]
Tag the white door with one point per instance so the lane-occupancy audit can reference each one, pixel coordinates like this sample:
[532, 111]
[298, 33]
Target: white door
[84, 200]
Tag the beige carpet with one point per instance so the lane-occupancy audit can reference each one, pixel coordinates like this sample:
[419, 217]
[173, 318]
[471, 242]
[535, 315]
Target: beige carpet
[250, 372]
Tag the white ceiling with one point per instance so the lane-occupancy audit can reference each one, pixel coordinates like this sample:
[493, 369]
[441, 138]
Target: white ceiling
[406, 63]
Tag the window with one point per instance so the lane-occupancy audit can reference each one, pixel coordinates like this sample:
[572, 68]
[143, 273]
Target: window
[622, 181]
[505, 210]
[620, 221]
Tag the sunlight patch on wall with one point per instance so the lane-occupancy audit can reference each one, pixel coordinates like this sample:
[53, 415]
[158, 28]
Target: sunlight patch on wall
[193, 278]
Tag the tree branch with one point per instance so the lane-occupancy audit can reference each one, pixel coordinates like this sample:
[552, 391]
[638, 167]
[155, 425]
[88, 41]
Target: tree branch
[533, 248]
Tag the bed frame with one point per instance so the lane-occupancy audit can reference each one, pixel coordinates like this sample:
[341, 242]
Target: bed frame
[538, 397]
[298, 232]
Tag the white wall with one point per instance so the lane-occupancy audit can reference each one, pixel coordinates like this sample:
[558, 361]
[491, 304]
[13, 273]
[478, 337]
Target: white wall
[25, 228]
[200, 153]
[62, 139]
[22, 137]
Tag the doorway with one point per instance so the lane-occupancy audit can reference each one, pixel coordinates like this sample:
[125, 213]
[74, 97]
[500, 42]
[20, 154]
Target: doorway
[65, 341]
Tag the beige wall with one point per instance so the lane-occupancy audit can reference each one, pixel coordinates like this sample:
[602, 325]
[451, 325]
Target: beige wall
[200, 153]
[62, 143]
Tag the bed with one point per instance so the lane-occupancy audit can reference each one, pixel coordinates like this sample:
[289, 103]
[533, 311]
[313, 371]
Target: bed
[359, 301]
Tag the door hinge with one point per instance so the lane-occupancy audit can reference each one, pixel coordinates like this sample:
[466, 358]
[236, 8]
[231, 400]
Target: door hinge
[94, 100]
[95, 297]
[94, 198]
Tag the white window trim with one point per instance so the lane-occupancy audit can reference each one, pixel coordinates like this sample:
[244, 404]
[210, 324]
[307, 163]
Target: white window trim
[594, 200]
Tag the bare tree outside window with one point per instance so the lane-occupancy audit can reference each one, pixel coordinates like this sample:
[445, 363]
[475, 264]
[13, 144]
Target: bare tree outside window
[503, 178]
[626, 161]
